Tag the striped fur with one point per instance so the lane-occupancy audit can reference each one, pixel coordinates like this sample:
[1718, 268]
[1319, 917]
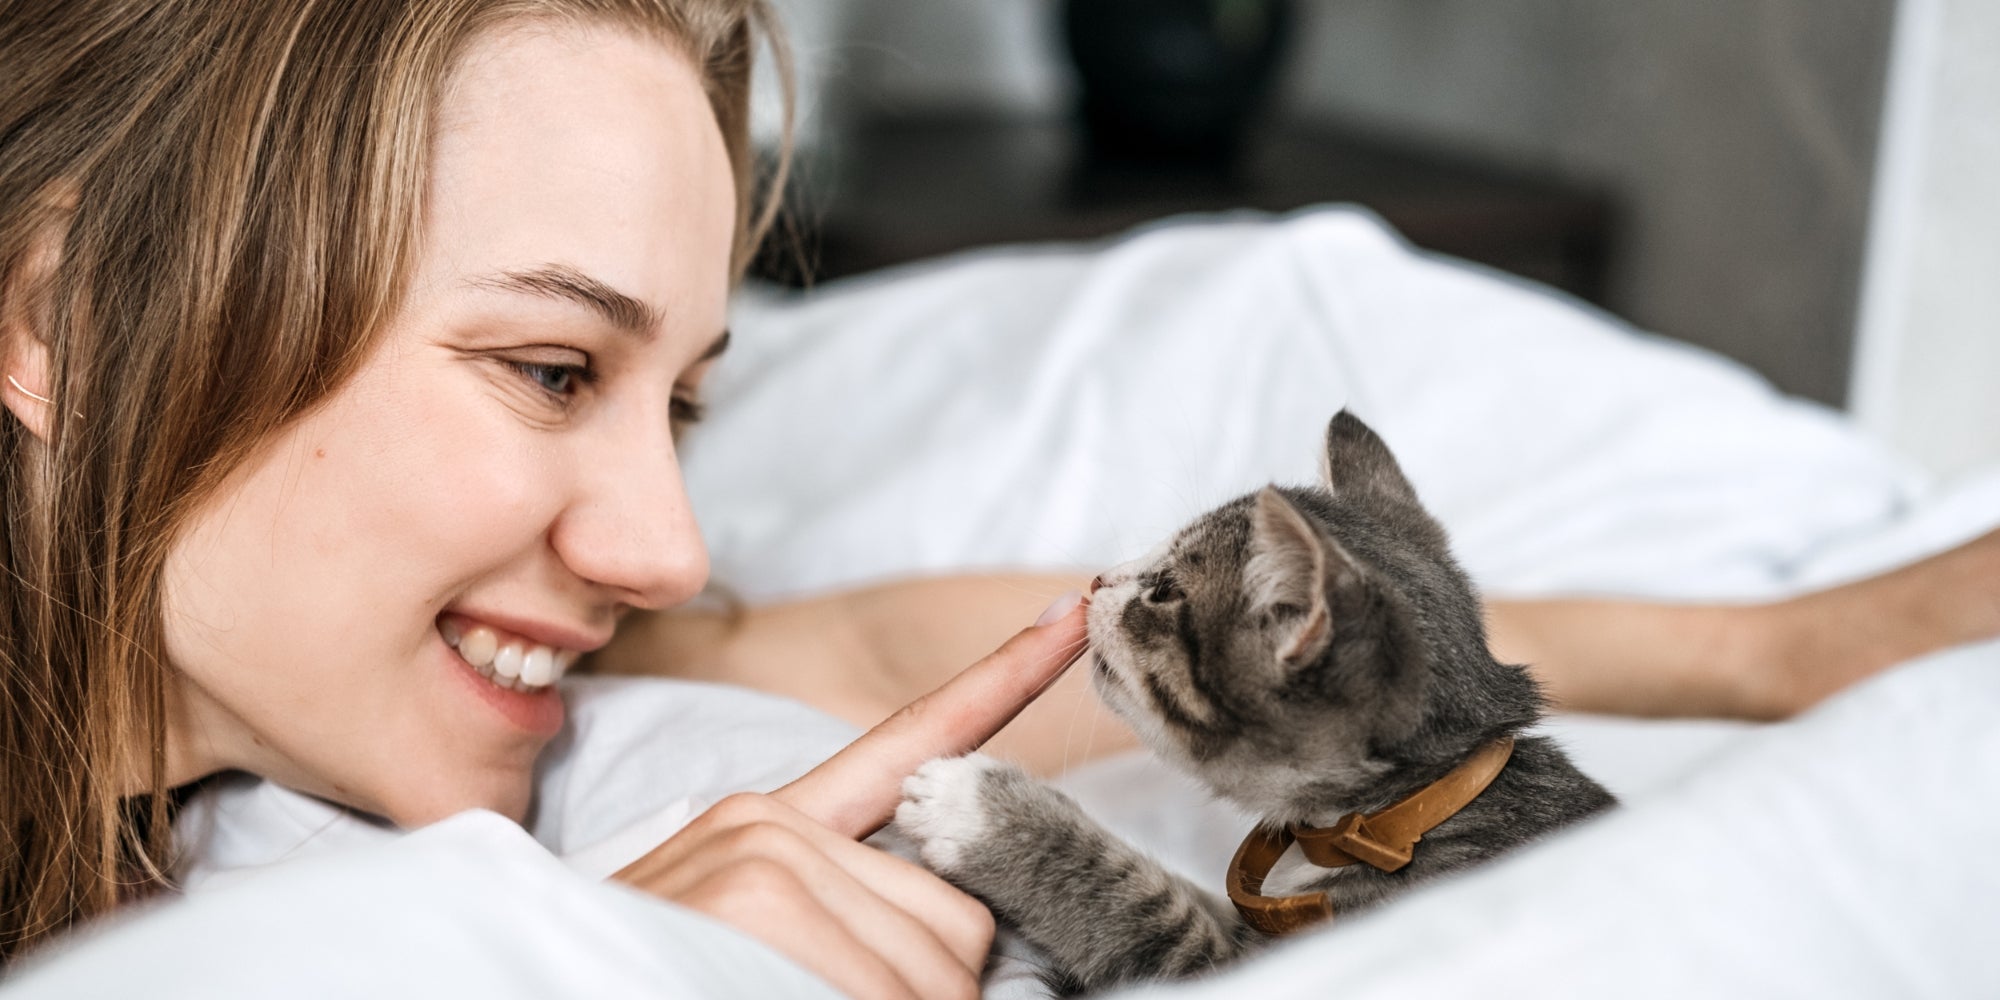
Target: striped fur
[1305, 652]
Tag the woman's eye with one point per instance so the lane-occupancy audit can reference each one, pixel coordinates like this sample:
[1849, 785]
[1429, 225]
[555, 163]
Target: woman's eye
[556, 380]
[687, 411]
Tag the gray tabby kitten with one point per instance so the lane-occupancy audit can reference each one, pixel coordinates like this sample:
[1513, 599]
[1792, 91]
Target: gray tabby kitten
[1306, 653]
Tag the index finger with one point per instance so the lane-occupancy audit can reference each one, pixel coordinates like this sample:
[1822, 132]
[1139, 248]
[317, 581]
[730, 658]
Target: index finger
[855, 791]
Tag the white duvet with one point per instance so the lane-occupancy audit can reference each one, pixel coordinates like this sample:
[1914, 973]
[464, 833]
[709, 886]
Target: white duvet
[1067, 408]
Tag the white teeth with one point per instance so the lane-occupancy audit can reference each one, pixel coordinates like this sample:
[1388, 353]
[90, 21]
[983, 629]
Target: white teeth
[508, 666]
[538, 668]
[507, 662]
[478, 646]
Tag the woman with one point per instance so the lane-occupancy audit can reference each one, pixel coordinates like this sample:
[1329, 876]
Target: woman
[370, 327]
[345, 346]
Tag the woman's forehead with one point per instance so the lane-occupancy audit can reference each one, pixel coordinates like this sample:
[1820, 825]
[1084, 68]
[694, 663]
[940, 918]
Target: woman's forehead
[587, 163]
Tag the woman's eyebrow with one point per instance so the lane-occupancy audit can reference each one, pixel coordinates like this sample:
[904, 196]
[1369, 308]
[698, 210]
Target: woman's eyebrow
[561, 281]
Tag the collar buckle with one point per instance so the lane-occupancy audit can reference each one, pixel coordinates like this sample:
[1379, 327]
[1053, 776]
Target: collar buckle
[1349, 841]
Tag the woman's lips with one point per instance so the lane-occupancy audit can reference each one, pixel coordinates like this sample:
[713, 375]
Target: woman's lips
[536, 710]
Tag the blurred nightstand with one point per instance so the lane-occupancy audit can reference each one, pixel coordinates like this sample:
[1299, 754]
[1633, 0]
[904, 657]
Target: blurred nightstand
[913, 188]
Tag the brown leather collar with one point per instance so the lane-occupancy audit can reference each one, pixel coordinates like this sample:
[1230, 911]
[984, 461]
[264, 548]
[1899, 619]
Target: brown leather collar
[1381, 840]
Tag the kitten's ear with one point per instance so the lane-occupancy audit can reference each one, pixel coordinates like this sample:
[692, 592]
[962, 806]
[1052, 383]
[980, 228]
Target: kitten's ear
[1356, 461]
[1292, 567]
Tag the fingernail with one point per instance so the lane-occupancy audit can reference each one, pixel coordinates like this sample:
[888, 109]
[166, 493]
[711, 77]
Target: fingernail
[1061, 607]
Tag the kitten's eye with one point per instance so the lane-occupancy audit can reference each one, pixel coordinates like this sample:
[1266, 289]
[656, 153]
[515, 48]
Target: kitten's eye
[1164, 592]
[1281, 612]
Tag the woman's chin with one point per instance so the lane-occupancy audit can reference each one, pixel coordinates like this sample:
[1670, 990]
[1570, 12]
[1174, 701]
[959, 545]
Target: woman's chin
[510, 796]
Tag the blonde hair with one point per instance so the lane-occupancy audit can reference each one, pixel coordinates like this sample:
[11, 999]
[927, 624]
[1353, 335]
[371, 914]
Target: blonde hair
[229, 195]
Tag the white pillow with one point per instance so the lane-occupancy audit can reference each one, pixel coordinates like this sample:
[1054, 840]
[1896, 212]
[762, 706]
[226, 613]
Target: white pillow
[1071, 406]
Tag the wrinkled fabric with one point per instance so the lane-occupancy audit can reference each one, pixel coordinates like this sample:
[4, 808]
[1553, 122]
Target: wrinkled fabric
[1069, 407]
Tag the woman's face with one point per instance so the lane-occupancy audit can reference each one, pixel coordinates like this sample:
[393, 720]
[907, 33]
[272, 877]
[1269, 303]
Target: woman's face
[501, 470]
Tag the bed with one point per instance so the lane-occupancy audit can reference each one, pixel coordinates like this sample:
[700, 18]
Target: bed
[1066, 407]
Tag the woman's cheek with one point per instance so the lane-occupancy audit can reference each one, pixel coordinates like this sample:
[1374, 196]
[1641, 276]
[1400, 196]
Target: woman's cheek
[476, 474]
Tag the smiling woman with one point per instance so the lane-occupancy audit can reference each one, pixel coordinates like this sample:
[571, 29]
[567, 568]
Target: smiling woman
[369, 335]
[543, 346]
[344, 367]
[345, 345]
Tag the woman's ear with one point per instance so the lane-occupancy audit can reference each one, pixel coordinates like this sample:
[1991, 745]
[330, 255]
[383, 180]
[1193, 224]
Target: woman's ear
[24, 389]
[25, 383]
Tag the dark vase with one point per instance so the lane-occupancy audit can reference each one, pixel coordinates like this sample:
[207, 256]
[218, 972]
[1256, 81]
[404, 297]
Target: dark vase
[1173, 79]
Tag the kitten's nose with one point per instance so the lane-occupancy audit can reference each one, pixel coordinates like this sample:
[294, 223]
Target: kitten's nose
[1095, 582]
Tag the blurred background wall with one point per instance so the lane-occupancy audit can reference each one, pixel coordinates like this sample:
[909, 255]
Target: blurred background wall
[1740, 135]
[1738, 139]
[1927, 373]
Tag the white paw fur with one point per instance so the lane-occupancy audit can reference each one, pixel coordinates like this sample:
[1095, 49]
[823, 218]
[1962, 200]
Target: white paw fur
[943, 810]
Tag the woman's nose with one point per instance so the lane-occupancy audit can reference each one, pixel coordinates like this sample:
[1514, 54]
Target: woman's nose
[632, 530]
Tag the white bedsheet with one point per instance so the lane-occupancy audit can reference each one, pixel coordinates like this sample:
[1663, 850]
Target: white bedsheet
[1847, 854]
[288, 896]
[1069, 408]
[636, 760]
[469, 907]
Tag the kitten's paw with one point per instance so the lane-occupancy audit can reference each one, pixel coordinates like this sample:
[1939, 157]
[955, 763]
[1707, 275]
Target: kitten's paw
[944, 808]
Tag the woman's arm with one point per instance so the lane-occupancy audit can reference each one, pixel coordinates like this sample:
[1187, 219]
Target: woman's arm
[860, 654]
[1753, 661]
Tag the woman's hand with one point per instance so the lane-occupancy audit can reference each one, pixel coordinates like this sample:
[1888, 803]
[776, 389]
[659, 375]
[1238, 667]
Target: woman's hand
[861, 654]
[869, 923]
[787, 868]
